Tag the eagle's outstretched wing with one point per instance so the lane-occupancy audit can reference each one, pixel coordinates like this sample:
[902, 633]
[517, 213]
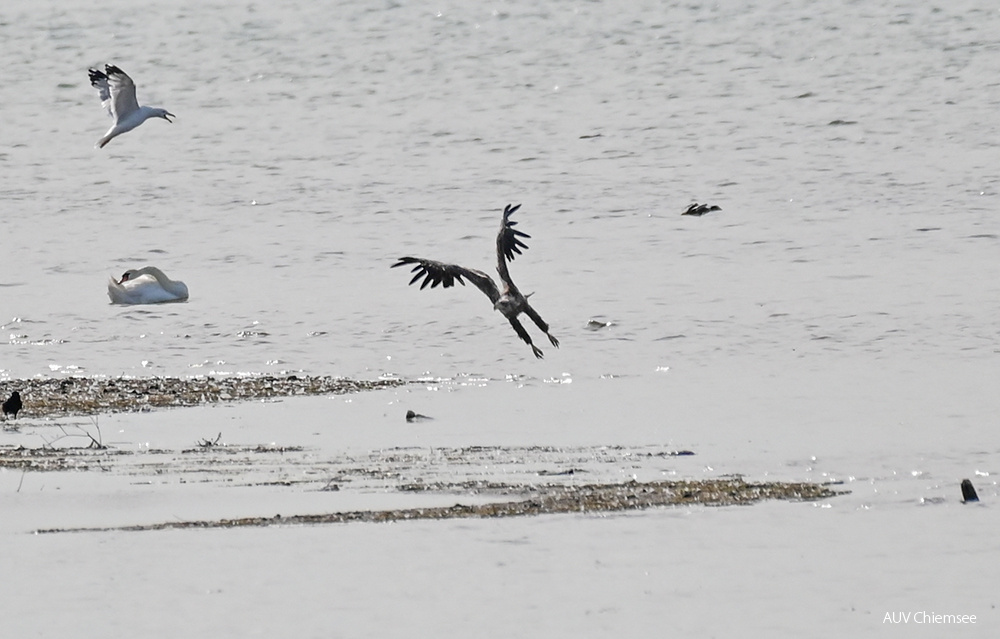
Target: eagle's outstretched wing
[434, 273]
[508, 243]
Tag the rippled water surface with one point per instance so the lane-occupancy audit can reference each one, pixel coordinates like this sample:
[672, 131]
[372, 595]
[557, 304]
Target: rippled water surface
[851, 154]
[837, 319]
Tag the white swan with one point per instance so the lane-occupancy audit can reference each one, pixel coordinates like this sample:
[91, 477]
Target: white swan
[147, 285]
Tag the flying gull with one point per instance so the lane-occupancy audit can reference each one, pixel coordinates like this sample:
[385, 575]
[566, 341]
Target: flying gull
[511, 302]
[118, 99]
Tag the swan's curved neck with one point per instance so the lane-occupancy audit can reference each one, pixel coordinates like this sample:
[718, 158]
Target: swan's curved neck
[161, 278]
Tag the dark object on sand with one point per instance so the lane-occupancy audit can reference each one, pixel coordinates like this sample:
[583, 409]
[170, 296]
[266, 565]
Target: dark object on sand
[12, 405]
[511, 302]
[700, 209]
[415, 417]
[968, 492]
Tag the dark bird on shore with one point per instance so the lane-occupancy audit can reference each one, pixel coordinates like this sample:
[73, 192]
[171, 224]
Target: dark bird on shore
[12, 405]
[700, 209]
[511, 302]
[415, 417]
[968, 492]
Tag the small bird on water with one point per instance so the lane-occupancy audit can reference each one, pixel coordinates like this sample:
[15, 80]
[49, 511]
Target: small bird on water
[511, 302]
[117, 93]
[700, 209]
[12, 405]
[968, 492]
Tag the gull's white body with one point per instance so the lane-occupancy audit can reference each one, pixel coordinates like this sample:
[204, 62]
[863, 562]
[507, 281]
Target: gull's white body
[147, 285]
[118, 98]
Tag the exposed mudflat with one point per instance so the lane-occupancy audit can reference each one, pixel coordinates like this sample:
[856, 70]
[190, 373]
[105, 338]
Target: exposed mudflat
[547, 499]
[51, 397]
[485, 481]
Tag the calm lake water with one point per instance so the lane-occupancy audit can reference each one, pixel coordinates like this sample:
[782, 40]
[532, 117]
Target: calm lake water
[837, 319]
